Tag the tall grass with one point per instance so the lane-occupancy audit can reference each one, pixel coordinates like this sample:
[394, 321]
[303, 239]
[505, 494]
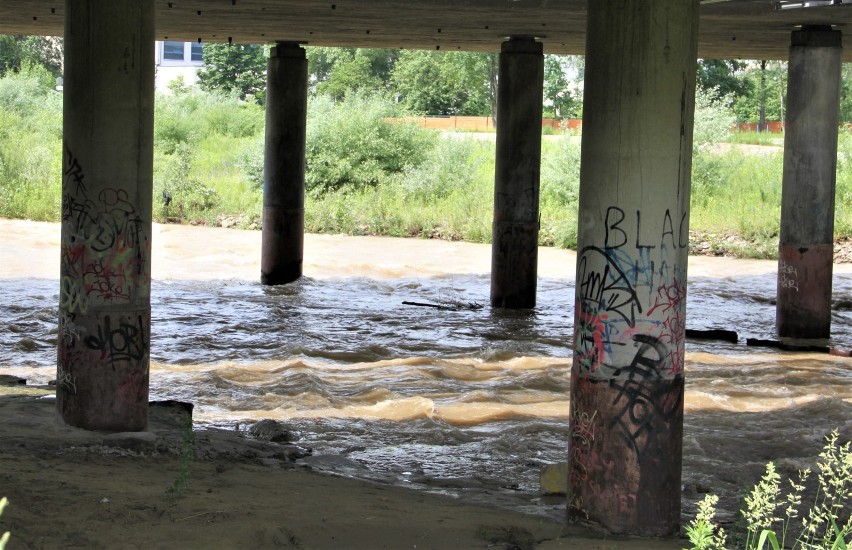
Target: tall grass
[30, 145]
[769, 517]
[366, 176]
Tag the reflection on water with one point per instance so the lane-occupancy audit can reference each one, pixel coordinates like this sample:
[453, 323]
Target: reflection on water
[470, 402]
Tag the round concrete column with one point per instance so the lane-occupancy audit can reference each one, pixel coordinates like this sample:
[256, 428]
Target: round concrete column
[284, 165]
[627, 377]
[514, 249]
[107, 174]
[806, 250]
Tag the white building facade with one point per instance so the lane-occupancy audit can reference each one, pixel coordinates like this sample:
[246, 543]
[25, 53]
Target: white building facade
[174, 59]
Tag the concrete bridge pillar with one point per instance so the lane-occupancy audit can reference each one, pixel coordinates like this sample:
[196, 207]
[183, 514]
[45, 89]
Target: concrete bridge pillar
[806, 249]
[107, 175]
[627, 379]
[284, 165]
[514, 249]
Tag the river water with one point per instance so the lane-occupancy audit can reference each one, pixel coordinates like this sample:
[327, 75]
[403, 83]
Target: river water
[473, 402]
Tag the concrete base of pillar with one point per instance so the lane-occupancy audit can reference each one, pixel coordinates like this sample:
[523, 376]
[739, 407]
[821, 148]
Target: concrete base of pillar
[283, 245]
[617, 486]
[804, 290]
[514, 265]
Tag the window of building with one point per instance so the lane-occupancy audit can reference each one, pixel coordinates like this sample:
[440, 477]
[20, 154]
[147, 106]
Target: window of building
[196, 52]
[174, 51]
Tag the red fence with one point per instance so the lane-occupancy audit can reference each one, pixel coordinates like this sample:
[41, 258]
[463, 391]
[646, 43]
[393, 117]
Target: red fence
[773, 127]
[481, 123]
[486, 124]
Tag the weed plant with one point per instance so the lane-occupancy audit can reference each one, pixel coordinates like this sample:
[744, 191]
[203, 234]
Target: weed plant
[187, 452]
[769, 517]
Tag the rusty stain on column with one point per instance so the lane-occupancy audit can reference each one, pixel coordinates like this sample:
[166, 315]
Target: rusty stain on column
[514, 248]
[806, 250]
[627, 379]
[284, 165]
[107, 178]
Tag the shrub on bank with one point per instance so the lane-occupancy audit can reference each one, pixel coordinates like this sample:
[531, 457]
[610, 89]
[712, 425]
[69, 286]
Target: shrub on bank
[351, 146]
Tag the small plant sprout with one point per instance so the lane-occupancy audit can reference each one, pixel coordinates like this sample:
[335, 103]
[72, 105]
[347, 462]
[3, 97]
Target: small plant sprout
[761, 503]
[701, 532]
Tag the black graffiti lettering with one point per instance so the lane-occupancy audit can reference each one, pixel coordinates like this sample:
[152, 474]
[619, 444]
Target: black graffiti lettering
[668, 229]
[610, 291]
[71, 171]
[639, 232]
[647, 402]
[126, 342]
[681, 233]
[614, 227]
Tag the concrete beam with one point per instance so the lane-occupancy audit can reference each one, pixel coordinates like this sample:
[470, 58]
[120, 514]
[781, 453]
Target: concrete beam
[107, 175]
[627, 377]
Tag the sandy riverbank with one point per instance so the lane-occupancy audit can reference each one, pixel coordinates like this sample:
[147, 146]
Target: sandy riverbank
[69, 488]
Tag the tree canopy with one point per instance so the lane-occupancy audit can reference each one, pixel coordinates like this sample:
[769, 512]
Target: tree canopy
[234, 68]
[18, 51]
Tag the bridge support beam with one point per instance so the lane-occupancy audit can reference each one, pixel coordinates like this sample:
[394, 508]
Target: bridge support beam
[806, 249]
[283, 237]
[627, 378]
[514, 249]
[107, 176]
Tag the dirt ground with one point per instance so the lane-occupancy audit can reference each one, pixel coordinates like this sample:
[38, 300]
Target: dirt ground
[69, 488]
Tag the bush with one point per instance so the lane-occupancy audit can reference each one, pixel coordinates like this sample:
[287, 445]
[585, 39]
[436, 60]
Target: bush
[450, 165]
[843, 198]
[560, 192]
[178, 193]
[30, 141]
[188, 116]
[351, 146]
[560, 173]
[713, 121]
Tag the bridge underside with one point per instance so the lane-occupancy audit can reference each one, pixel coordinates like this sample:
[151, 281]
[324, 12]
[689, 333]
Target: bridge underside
[629, 327]
[745, 29]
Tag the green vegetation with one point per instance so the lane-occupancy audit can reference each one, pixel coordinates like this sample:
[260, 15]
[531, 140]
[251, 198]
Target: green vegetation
[234, 69]
[767, 518]
[367, 176]
[187, 453]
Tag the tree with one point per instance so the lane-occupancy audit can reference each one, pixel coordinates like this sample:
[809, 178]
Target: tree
[846, 93]
[562, 99]
[723, 78]
[444, 83]
[17, 51]
[238, 68]
[766, 98]
[338, 72]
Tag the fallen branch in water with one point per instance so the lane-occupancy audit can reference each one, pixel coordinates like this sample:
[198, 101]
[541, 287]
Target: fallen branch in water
[449, 305]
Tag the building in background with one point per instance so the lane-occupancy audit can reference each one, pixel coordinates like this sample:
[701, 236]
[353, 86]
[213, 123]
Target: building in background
[176, 59]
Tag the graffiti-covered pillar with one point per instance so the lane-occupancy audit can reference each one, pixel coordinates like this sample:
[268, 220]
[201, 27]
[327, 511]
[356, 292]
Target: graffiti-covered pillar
[107, 173]
[627, 378]
[514, 248]
[806, 251]
[284, 165]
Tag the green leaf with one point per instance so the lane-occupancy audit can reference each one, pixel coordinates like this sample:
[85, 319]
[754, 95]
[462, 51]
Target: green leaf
[765, 535]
